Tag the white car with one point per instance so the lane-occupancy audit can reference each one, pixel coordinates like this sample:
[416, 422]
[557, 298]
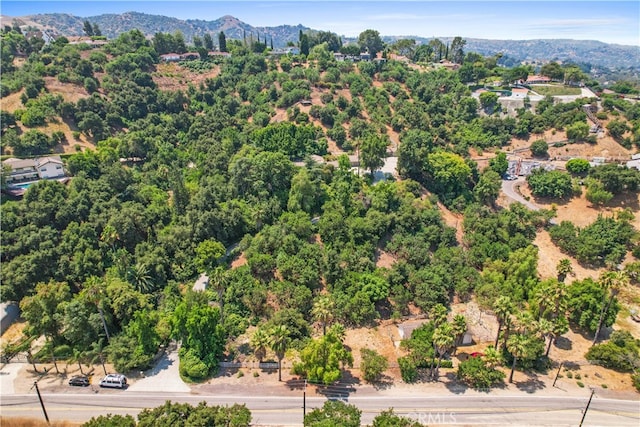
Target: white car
[114, 381]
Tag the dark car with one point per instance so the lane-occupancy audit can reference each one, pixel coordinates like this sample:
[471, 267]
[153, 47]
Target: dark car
[79, 380]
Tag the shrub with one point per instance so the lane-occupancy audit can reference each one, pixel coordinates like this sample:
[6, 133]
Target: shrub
[475, 372]
[635, 379]
[578, 167]
[580, 384]
[539, 148]
[620, 353]
[408, 369]
[373, 365]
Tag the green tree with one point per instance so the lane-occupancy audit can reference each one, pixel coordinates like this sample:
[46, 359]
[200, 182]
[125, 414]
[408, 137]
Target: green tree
[488, 100]
[617, 129]
[279, 342]
[612, 282]
[111, 420]
[208, 41]
[587, 299]
[323, 311]
[488, 187]
[578, 131]
[443, 340]
[578, 167]
[222, 41]
[370, 41]
[519, 345]
[539, 148]
[333, 413]
[503, 308]
[322, 358]
[564, 268]
[389, 419]
[373, 150]
[477, 373]
[499, 164]
[87, 28]
[373, 365]
[550, 184]
[260, 343]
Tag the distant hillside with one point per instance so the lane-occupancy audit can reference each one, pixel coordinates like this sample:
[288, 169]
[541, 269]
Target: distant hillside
[113, 24]
[591, 52]
[612, 56]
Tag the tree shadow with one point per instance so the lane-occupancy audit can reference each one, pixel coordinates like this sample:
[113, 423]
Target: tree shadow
[453, 385]
[383, 383]
[563, 343]
[531, 385]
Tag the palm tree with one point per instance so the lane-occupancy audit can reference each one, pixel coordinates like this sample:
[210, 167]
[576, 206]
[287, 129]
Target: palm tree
[139, 277]
[493, 357]
[279, 343]
[459, 329]
[218, 279]
[518, 346]
[502, 308]
[564, 269]
[612, 282]
[94, 290]
[548, 330]
[543, 299]
[438, 314]
[323, 310]
[443, 338]
[260, 342]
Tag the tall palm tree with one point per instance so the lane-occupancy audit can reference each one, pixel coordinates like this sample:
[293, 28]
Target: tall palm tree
[612, 282]
[459, 329]
[503, 307]
[279, 343]
[518, 346]
[443, 338]
[323, 310]
[260, 342]
[438, 314]
[218, 280]
[564, 269]
[548, 330]
[94, 289]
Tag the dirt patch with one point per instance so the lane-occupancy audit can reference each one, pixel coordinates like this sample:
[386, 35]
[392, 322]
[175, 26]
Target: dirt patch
[172, 77]
[70, 92]
[384, 259]
[549, 255]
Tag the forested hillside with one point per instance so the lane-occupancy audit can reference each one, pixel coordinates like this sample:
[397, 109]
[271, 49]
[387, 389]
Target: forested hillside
[202, 179]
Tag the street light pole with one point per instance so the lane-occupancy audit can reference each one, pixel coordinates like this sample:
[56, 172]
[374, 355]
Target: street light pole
[584, 414]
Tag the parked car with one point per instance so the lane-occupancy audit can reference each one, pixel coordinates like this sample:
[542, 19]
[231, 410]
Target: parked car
[79, 380]
[114, 381]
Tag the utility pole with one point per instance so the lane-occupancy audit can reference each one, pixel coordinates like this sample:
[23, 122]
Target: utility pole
[304, 401]
[557, 375]
[46, 417]
[584, 413]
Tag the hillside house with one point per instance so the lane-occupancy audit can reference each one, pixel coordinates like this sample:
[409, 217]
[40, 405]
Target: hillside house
[170, 57]
[23, 170]
[533, 80]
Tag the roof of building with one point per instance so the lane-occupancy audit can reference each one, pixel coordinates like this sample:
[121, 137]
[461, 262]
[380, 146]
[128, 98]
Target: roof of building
[31, 163]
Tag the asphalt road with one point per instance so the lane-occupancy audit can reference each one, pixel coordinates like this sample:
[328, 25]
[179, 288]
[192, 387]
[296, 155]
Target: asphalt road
[276, 410]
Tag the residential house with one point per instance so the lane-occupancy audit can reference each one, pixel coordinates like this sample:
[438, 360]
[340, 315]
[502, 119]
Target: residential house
[170, 57]
[532, 80]
[22, 170]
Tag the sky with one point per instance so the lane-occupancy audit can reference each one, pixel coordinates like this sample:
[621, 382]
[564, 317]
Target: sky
[607, 21]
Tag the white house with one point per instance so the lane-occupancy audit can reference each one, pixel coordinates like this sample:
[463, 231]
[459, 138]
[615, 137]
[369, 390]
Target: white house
[22, 170]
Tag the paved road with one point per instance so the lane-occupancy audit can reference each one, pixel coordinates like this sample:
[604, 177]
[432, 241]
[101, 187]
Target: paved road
[275, 410]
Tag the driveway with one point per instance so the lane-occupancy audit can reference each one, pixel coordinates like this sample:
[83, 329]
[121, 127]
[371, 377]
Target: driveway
[164, 377]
